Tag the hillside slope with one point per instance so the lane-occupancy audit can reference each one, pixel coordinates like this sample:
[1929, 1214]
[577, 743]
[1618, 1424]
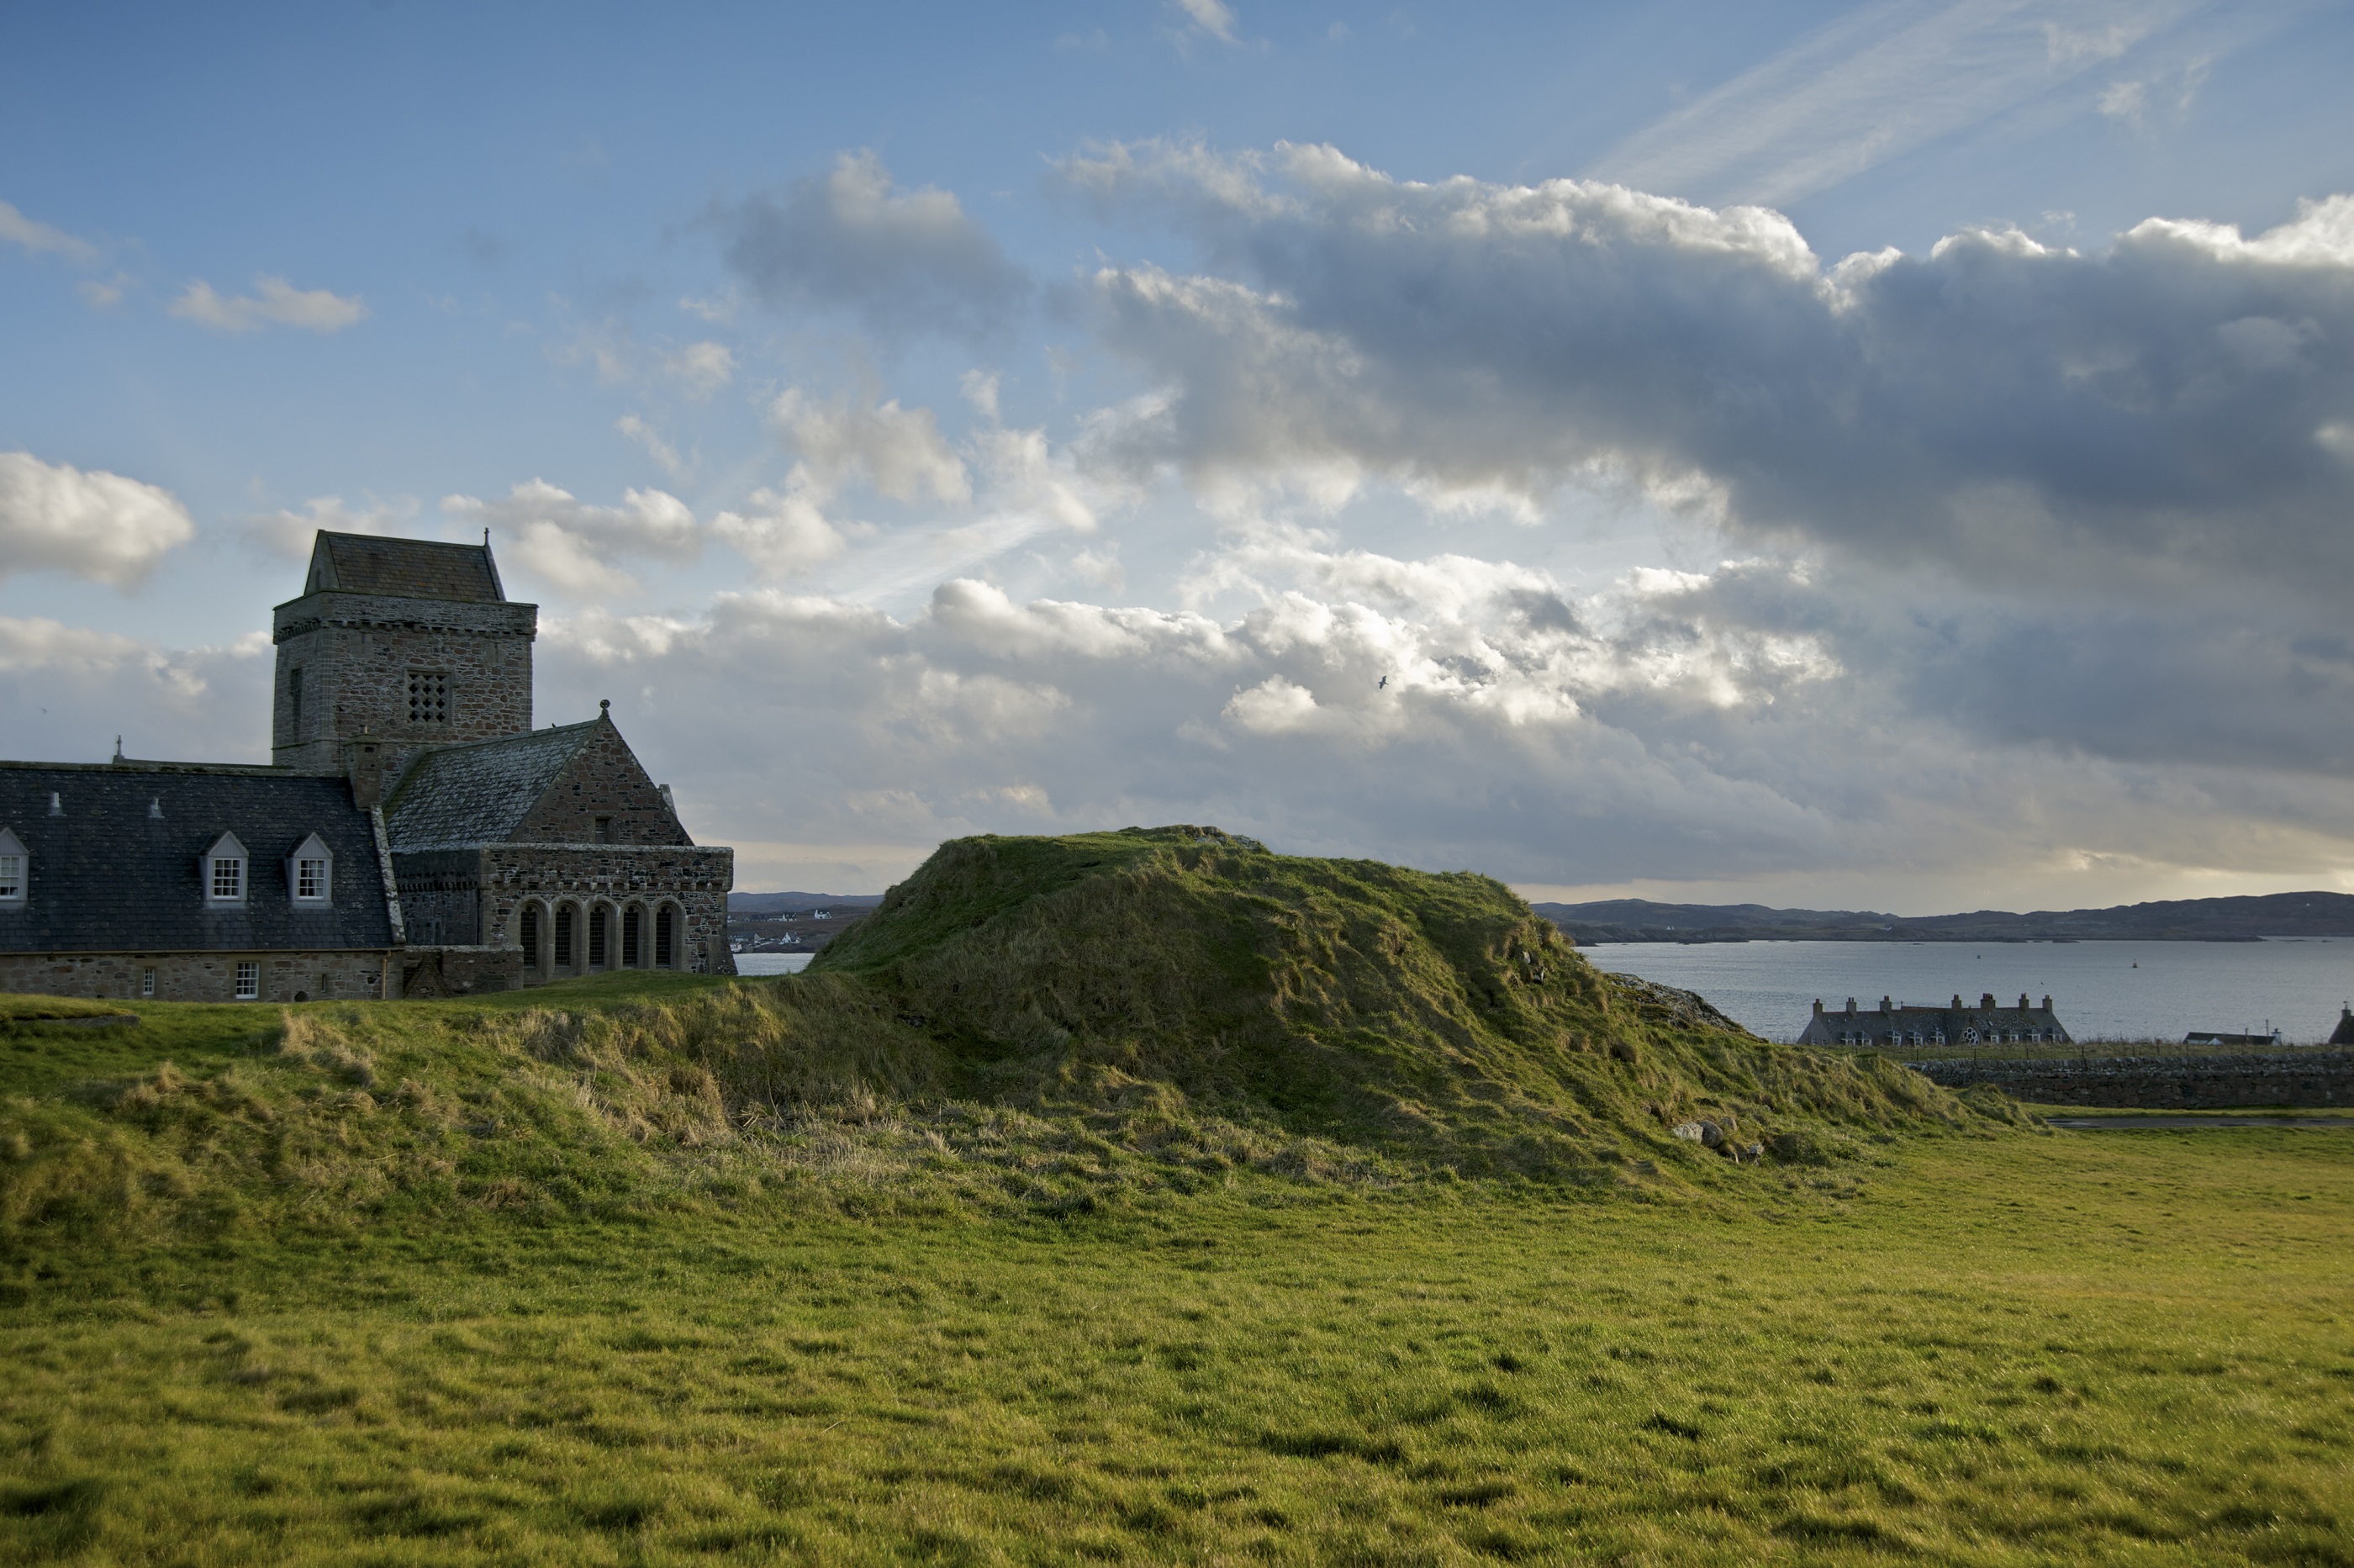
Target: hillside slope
[1041, 1025]
[1435, 1018]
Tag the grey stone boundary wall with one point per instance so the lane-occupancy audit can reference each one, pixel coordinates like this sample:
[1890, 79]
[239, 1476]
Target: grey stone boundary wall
[356, 974]
[2303, 1078]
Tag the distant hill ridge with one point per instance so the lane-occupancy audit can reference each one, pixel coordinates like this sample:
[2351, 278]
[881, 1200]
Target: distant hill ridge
[2243, 920]
[794, 903]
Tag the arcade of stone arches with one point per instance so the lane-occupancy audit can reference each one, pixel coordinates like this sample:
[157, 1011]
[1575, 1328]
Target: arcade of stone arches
[566, 937]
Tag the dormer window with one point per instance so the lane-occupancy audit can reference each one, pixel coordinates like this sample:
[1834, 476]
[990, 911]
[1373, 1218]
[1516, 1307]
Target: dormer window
[224, 872]
[310, 873]
[12, 871]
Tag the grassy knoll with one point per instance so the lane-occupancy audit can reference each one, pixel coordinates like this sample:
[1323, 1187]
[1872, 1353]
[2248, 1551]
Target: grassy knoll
[1138, 1195]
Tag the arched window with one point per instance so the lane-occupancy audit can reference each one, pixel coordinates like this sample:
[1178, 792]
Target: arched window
[527, 931]
[665, 938]
[564, 936]
[632, 920]
[596, 932]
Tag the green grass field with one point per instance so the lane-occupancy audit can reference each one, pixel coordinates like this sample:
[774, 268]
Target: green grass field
[2020, 1348]
[1137, 1196]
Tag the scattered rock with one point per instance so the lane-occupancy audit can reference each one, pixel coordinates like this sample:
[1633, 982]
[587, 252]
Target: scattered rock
[1692, 1132]
[1754, 1151]
[1711, 1135]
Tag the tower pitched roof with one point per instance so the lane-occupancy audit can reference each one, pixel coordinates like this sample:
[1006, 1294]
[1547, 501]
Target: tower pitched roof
[403, 568]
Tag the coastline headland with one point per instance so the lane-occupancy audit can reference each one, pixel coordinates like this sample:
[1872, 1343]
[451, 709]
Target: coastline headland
[2244, 919]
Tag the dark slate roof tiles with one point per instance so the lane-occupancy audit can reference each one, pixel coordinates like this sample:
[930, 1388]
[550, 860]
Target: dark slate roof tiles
[403, 568]
[116, 871]
[479, 793]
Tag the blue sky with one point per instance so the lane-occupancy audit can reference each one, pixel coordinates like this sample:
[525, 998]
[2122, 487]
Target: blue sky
[928, 420]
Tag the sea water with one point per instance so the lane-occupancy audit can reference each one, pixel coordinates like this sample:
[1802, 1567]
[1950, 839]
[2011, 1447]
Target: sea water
[2101, 990]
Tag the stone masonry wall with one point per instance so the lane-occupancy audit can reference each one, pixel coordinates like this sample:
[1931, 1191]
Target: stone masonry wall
[440, 896]
[357, 652]
[2167, 1083]
[196, 977]
[604, 779]
[694, 879]
[456, 971]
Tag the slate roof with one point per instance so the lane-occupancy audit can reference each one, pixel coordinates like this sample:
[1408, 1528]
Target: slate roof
[479, 792]
[403, 568]
[106, 875]
[1875, 1024]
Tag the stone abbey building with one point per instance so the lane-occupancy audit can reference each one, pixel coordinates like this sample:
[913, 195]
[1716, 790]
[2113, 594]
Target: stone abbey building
[413, 835]
[1895, 1024]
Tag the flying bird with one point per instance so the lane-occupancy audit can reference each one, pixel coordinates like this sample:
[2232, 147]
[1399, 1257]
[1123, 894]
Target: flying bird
[1383, 687]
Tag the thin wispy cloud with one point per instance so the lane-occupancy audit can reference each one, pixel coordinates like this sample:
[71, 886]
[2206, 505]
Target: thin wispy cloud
[274, 303]
[41, 238]
[1876, 86]
[1211, 16]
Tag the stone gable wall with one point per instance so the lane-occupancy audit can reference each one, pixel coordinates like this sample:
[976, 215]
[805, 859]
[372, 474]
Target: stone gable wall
[2169, 1082]
[356, 653]
[605, 779]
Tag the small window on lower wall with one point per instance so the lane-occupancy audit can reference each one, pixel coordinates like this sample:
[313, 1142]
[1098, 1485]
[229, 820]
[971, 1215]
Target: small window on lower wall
[248, 980]
[146, 982]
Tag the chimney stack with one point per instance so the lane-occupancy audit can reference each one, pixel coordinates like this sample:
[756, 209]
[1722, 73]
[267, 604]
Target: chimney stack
[364, 761]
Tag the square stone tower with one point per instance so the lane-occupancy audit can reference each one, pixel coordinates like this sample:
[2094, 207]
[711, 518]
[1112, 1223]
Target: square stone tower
[396, 645]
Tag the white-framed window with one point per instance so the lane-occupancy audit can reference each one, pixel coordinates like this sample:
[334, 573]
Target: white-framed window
[223, 871]
[428, 696]
[13, 859]
[310, 873]
[146, 982]
[249, 979]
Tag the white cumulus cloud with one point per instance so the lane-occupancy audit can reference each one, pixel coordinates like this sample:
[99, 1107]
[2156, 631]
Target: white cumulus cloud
[899, 451]
[2149, 414]
[781, 533]
[91, 524]
[578, 546]
[291, 534]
